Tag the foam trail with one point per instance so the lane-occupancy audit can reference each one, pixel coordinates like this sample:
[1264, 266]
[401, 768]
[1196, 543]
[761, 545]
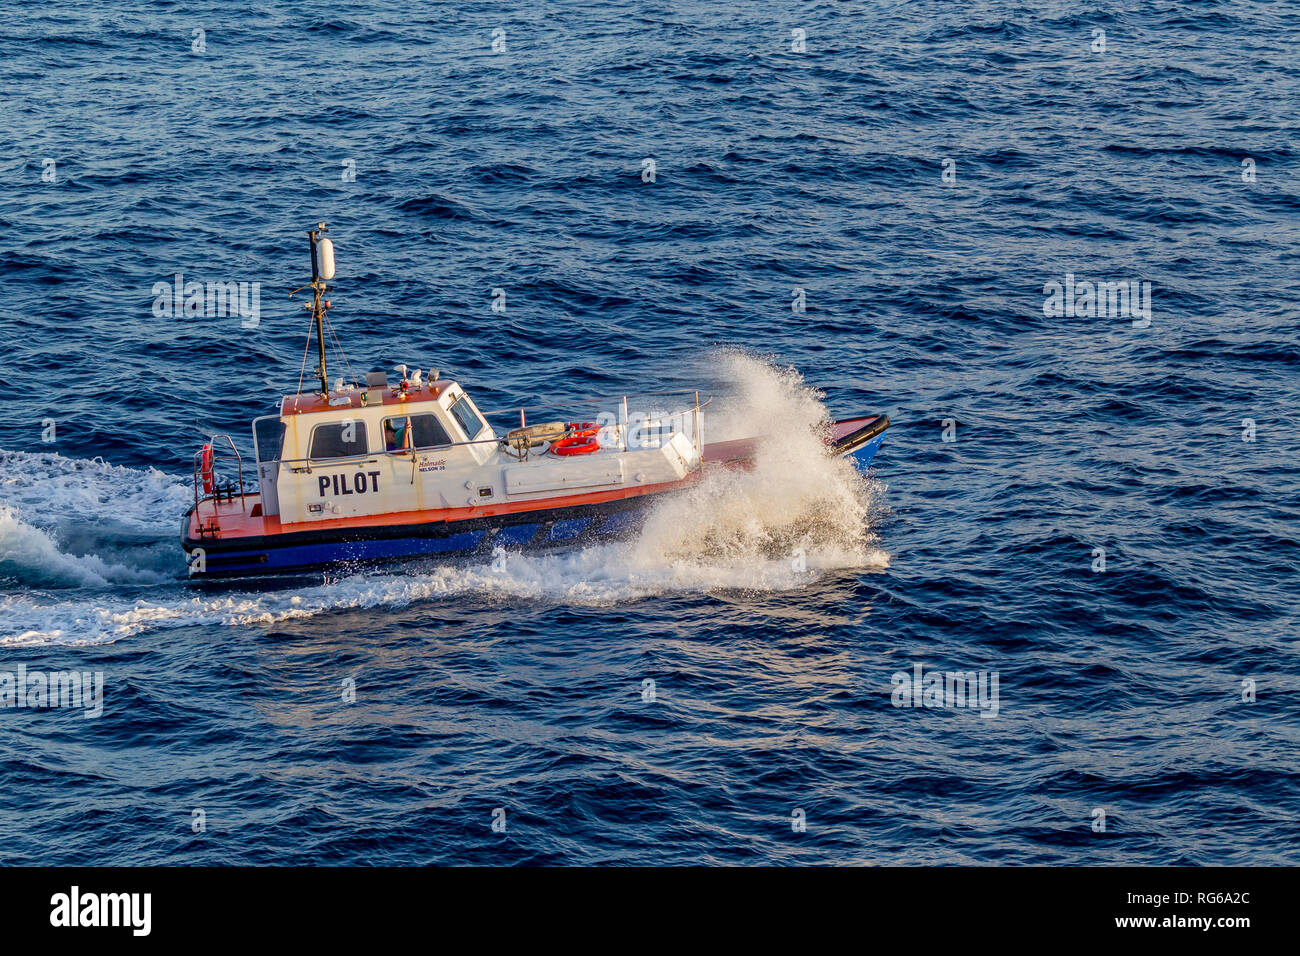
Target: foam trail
[44, 486]
[29, 552]
[69, 522]
[593, 577]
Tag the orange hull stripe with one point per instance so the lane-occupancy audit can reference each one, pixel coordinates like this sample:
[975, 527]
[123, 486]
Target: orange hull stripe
[235, 522]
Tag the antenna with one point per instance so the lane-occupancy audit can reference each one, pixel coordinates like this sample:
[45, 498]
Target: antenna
[322, 270]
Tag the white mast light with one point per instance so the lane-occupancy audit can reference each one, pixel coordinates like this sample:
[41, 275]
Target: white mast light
[323, 254]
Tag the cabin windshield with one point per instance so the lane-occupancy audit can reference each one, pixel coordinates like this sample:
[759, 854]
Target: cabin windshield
[467, 416]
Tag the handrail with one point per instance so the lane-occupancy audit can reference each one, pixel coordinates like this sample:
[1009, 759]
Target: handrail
[370, 456]
[239, 466]
[557, 404]
[563, 403]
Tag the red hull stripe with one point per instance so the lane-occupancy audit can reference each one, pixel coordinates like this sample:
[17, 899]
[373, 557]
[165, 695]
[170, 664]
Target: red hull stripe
[236, 523]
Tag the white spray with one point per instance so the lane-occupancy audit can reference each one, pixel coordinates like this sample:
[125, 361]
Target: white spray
[797, 503]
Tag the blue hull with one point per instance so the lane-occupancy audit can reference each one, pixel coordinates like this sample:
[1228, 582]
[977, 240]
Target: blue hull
[423, 541]
[863, 455]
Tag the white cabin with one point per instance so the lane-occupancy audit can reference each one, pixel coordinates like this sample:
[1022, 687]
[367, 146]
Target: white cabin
[334, 457]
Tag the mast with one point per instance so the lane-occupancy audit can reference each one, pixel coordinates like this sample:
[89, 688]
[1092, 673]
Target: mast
[322, 270]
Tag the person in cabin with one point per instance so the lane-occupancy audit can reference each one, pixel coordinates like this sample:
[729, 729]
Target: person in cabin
[390, 437]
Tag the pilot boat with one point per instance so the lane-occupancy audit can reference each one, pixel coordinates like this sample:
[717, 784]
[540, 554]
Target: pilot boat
[411, 468]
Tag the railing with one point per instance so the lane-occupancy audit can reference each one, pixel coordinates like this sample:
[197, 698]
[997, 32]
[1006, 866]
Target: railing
[569, 403]
[622, 426]
[216, 490]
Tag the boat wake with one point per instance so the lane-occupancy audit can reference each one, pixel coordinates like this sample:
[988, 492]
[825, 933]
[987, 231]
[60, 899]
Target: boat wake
[33, 556]
[109, 566]
[77, 523]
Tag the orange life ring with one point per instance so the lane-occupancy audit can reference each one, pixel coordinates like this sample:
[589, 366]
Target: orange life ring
[205, 470]
[582, 430]
[575, 445]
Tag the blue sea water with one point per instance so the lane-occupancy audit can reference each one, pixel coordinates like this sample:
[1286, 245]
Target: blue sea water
[1147, 712]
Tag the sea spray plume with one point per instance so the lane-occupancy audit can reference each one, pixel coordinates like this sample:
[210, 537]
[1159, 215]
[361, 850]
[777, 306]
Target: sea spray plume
[795, 502]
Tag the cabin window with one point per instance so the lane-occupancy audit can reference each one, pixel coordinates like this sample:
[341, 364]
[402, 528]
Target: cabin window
[426, 432]
[467, 416]
[268, 436]
[339, 440]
